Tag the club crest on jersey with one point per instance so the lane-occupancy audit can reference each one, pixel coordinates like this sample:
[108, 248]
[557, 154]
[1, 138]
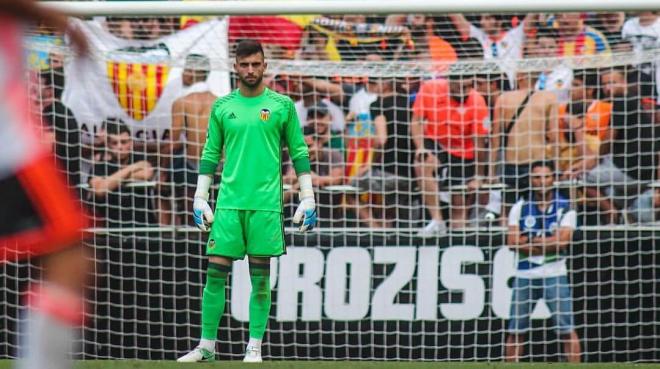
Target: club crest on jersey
[264, 114]
[530, 221]
[211, 244]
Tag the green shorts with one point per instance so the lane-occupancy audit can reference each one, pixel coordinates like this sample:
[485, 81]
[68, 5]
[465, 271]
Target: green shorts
[236, 233]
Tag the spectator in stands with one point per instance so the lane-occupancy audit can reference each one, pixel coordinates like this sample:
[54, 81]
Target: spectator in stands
[526, 80]
[145, 28]
[448, 123]
[327, 164]
[610, 24]
[540, 233]
[423, 43]
[646, 208]
[60, 119]
[643, 32]
[119, 205]
[327, 167]
[148, 28]
[491, 86]
[120, 27]
[312, 94]
[575, 38]
[319, 118]
[351, 92]
[558, 78]
[387, 179]
[393, 108]
[584, 124]
[635, 147]
[362, 136]
[313, 45]
[360, 102]
[525, 125]
[190, 116]
[361, 35]
[496, 42]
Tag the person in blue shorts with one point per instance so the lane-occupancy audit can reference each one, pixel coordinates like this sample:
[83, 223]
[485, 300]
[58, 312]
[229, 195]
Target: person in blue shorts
[540, 232]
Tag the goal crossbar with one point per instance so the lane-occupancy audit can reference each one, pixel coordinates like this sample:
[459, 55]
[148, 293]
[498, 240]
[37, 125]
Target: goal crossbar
[261, 7]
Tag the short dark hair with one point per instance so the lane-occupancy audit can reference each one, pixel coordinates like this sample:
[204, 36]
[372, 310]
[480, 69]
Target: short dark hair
[623, 69]
[543, 163]
[498, 17]
[248, 47]
[547, 32]
[588, 76]
[317, 111]
[53, 77]
[115, 126]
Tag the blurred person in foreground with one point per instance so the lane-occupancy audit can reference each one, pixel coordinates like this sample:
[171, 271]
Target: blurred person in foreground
[39, 220]
[540, 233]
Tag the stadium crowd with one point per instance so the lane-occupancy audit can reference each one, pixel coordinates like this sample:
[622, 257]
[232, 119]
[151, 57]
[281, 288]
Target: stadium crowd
[402, 151]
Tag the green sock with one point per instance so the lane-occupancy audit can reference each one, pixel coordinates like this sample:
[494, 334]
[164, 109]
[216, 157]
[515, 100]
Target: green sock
[259, 299]
[213, 299]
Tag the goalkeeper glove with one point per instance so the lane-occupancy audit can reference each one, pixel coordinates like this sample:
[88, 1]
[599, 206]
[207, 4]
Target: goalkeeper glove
[202, 213]
[306, 212]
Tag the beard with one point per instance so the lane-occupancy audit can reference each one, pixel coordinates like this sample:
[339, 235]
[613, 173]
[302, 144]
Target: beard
[246, 83]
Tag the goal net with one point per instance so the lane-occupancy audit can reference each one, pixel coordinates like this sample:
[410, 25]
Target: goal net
[439, 143]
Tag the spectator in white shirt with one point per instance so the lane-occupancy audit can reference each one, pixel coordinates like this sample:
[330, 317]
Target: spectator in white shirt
[558, 78]
[643, 32]
[496, 42]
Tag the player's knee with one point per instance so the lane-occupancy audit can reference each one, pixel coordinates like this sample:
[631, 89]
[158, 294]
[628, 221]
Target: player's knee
[221, 260]
[260, 278]
[216, 277]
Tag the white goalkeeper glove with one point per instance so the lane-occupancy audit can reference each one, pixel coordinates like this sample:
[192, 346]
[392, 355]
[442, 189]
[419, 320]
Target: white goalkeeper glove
[202, 213]
[306, 212]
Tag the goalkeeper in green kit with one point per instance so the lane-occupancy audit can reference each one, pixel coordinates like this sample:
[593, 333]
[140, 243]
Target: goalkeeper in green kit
[249, 125]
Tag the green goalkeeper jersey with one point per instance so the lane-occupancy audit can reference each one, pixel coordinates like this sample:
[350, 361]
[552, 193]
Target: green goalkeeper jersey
[252, 130]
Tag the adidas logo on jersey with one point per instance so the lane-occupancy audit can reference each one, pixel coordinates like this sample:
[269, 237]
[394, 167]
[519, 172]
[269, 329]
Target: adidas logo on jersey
[231, 116]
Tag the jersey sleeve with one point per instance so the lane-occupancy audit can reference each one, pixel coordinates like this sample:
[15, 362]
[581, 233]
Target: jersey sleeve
[514, 214]
[625, 30]
[479, 34]
[295, 141]
[569, 220]
[214, 142]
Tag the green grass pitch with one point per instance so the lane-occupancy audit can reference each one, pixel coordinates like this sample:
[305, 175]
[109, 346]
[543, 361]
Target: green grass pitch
[119, 364]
